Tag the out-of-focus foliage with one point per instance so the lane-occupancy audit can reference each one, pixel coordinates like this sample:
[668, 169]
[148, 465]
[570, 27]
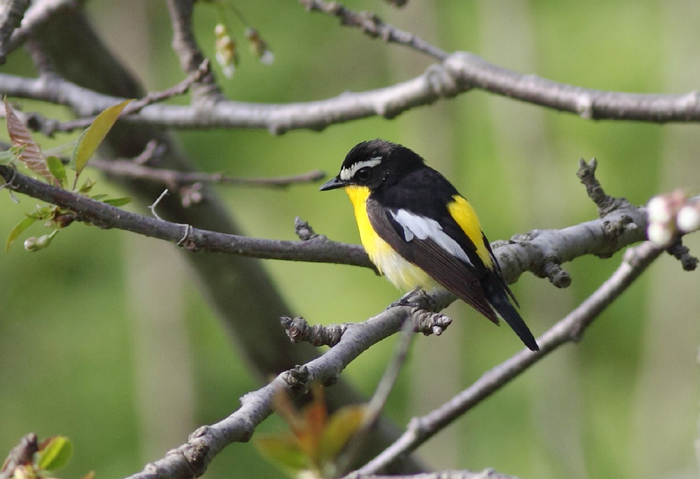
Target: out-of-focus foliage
[32, 459]
[28, 153]
[312, 444]
[107, 333]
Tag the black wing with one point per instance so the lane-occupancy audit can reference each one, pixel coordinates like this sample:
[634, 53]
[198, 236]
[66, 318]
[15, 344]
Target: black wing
[482, 288]
[458, 277]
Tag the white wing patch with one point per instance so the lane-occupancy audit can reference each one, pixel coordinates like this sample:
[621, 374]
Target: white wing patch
[347, 173]
[423, 228]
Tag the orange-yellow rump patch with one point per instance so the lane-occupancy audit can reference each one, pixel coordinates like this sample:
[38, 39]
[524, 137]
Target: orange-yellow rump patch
[465, 216]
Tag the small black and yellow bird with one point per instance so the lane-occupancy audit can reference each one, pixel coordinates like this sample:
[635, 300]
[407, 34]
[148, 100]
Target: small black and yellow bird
[420, 232]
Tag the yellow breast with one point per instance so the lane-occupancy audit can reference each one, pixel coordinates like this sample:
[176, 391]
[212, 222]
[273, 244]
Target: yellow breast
[402, 274]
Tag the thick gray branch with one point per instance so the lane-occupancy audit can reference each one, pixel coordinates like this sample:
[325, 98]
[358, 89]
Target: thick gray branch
[11, 14]
[569, 329]
[529, 252]
[106, 216]
[39, 12]
[459, 73]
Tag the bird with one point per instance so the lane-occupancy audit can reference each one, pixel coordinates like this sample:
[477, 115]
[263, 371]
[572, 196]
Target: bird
[421, 233]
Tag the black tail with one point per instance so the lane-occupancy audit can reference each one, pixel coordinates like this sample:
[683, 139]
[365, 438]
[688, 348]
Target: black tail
[497, 294]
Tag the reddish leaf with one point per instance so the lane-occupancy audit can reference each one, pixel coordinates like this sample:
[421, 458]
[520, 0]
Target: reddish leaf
[30, 153]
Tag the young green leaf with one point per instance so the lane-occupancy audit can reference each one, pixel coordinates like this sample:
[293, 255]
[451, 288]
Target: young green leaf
[7, 157]
[73, 156]
[87, 186]
[55, 454]
[29, 153]
[18, 230]
[57, 169]
[118, 201]
[283, 450]
[91, 138]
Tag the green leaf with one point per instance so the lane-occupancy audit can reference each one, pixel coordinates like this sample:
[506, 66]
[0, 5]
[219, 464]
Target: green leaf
[42, 212]
[29, 152]
[18, 230]
[99, 197]
[57, 169]
[91, 138]
[118, 201]
[72, 161]
[55, 454]
[282, 450]
[341, 427]
[87, 186]
[7, 157]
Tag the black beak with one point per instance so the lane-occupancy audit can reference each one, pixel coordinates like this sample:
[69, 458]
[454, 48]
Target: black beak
[333, 184]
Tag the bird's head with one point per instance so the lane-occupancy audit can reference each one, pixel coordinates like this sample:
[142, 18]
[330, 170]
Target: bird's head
[374, 164]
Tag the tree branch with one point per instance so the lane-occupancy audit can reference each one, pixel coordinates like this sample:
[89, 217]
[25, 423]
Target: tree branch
[107, 216]
[569, 329]
[459, 73]
[11, 14]
[185, 46]
[535, 251]
[173, 178]
[191, 459]
[373, 26]
[50, 126]
[463, 474]
[38, 13]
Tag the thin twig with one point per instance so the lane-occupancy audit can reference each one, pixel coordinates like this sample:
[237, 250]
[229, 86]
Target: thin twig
[155, 204]
[450, 474]
[49, 126]
[569, 329]
[173, 178]
[23, 453]
[185, 46]
[379, 398]
[373, 26]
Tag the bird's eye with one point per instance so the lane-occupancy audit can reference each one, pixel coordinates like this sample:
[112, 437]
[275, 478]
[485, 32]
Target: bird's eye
[362, 174]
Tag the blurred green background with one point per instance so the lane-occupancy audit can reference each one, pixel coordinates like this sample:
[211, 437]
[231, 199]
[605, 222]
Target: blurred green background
[105, 338]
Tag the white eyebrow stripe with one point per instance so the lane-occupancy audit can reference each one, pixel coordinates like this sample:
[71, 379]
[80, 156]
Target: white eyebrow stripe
[424, 228]
[346, 174]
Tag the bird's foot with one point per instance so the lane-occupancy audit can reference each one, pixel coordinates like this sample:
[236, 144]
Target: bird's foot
[416, 298]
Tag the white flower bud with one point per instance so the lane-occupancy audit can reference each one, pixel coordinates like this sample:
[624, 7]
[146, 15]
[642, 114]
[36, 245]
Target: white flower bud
[659, 210]
[30, 244]
[267, 58]
[43, 241]
[689, 218]
[659, 234]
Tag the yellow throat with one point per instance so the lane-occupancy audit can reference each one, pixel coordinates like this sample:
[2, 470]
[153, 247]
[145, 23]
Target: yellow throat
[402, 274]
